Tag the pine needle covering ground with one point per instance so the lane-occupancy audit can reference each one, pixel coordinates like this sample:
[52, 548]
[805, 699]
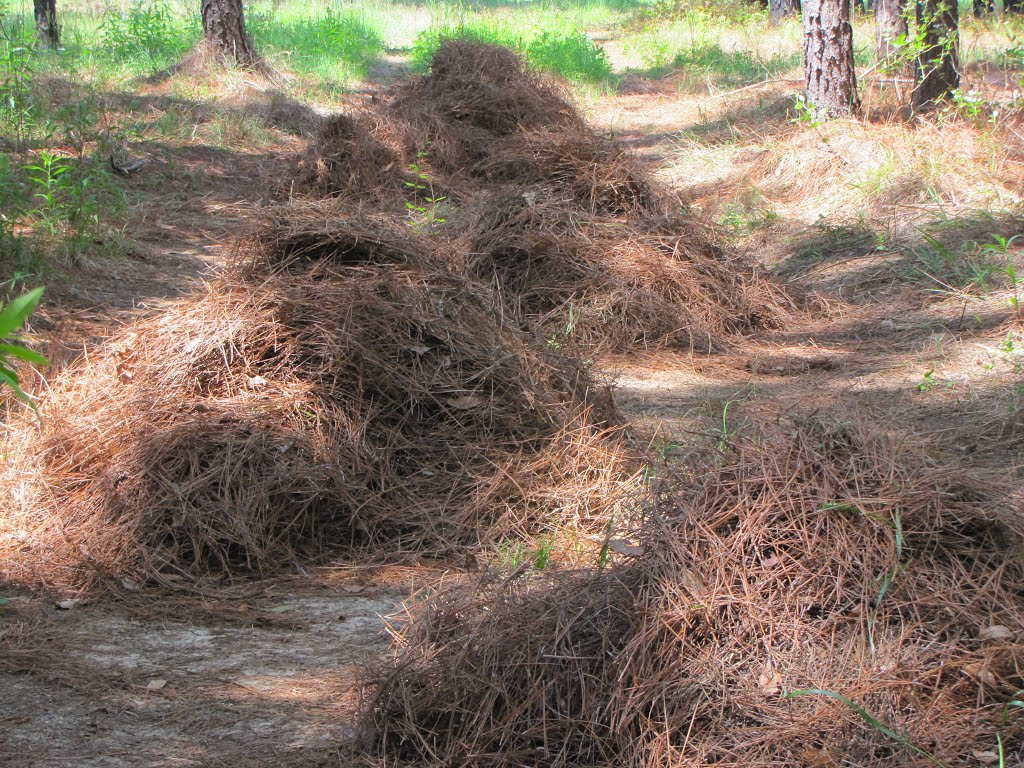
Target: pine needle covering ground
[568, 227]
[813, 555]
[328, 399]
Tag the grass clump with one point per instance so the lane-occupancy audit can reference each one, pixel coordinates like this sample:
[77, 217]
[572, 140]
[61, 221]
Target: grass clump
[572, 55]
[148, 34]
[340, 45]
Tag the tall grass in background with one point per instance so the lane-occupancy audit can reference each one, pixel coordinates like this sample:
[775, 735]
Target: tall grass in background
[558, 48]
[337, 42]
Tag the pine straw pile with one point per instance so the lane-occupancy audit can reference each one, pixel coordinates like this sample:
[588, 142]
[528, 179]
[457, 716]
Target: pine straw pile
[331, 408]
[596, 283]
[824, 556]
[348, 159]
[569, 227]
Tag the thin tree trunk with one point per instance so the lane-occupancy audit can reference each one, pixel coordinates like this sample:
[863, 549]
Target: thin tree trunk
[781, 9]
[938, 66]
[47, 31]
[890, 24]
[831, 81]
[224, 30]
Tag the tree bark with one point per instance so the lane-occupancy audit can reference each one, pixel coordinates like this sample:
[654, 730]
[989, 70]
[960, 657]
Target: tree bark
[830, 79]
[781, 9]
[890, 24]
[1013, 6]
[47, 31]
[224, 30]
[938, 66]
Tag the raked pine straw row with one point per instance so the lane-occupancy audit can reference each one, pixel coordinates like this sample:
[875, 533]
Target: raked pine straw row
[344, 410]
[569, 228]
[811, 555]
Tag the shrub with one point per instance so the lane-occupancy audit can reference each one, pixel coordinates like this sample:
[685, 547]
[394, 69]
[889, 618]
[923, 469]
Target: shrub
[572, 55]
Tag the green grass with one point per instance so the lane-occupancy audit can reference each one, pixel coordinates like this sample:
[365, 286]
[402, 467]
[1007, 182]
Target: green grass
[561, 50]
[336, 44]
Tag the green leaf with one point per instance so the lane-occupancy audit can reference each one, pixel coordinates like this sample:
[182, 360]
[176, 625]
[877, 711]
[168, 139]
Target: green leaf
[23, 353]
[14, 315]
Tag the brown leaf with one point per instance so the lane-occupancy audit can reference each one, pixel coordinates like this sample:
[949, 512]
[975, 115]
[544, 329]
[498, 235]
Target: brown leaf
[156, 684]
[995, 632]
[623, 547]
[982, 674]
[466, 402]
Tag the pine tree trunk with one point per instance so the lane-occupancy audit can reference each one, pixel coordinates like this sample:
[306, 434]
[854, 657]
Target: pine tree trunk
[1013, 6]
[781, 9]
[47, 31]
[890, 24]
[938, 66]
[224, 30]
[981, 7]
[831, 81]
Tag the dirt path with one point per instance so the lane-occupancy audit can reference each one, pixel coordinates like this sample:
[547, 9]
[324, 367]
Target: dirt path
[270, 680]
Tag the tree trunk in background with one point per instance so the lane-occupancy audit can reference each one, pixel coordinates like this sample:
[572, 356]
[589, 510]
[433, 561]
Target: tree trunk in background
[46, 23]
[831, 81]
[890, 24]
[938, 66]
[781, 9]
[224, 30]
[981, 7]
[1013, 6]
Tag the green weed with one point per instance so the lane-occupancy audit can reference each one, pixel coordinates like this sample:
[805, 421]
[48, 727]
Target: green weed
[870, 719]
[12, 318]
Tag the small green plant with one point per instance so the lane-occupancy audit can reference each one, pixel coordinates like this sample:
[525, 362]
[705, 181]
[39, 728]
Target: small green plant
[12, 319]
[807, 114]
[68, 198]
[1016, 702]
[726, 436]
[542, 554]
[890, 577]
[870, 719]
[605, 555]
[428, 209]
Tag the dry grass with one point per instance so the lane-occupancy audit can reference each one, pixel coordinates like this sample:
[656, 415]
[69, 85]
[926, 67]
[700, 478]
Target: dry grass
[761, 573]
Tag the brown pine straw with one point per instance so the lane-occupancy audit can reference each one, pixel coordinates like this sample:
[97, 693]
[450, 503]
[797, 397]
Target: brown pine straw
[342, 410]
[606, 286]
[760, 573]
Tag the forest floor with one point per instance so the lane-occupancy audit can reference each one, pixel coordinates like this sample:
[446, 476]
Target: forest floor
[269, 676]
